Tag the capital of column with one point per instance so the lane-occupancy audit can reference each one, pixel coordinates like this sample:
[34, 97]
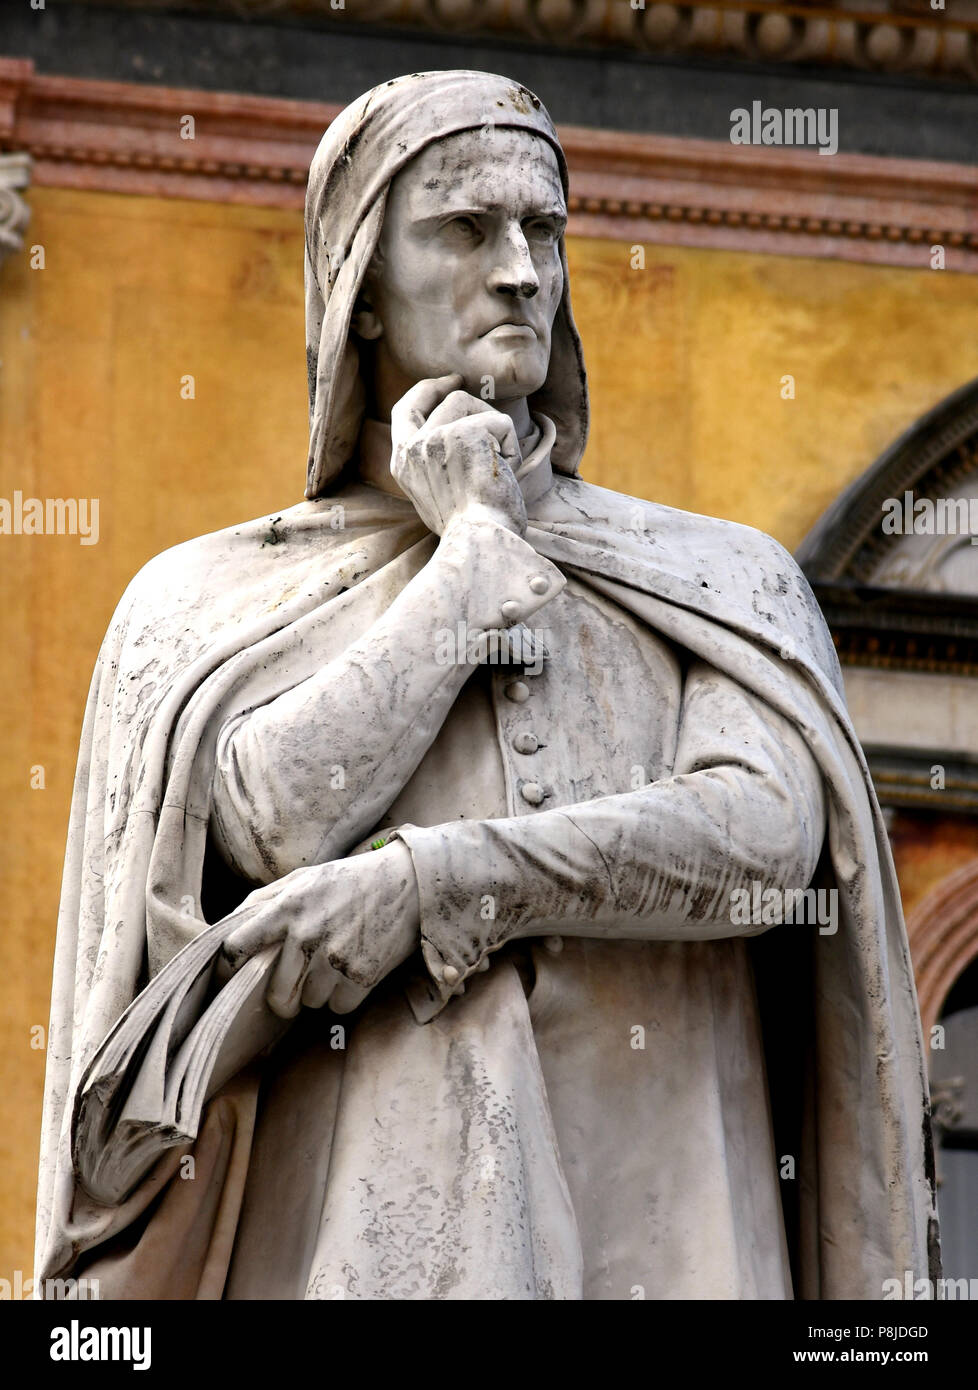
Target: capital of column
[15, 173]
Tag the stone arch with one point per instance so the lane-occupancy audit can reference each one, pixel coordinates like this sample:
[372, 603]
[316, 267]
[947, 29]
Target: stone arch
[943, 932]
[900, 601]
[936, 458]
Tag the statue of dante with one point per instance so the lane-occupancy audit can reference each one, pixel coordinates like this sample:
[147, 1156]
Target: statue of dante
[509, 769]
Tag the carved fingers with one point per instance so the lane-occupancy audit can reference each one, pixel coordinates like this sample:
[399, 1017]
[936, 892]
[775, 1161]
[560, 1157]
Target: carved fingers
[454, 455]
[342, 927]
[414, 407]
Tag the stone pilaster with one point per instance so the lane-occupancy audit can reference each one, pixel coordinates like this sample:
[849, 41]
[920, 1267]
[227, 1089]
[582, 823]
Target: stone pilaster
[15, 174]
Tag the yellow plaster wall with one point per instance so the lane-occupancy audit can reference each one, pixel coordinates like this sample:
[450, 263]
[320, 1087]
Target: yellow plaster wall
[685, 357]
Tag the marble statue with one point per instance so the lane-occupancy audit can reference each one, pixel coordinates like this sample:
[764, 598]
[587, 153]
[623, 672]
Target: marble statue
[515, 774]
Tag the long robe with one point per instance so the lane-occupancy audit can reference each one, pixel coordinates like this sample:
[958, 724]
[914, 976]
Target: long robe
[226, 623]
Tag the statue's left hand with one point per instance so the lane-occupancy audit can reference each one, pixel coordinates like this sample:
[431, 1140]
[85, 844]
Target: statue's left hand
[343, 926]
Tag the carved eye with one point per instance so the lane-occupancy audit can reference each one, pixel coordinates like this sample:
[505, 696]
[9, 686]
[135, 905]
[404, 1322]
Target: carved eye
[540, 228]
[463, 228]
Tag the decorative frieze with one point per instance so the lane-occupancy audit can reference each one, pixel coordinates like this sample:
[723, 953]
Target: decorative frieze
[172, 142]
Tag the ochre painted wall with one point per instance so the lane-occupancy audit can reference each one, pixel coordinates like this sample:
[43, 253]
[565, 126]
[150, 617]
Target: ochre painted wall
[685, 357]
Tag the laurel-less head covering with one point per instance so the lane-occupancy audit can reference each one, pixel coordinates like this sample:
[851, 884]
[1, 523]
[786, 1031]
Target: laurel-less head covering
[366, 145]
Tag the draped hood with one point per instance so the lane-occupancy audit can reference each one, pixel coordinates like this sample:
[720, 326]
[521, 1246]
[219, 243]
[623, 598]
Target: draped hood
[365, 147]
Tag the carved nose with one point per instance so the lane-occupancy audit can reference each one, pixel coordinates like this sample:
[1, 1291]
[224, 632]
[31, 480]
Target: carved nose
[503, 283]
[515, 274]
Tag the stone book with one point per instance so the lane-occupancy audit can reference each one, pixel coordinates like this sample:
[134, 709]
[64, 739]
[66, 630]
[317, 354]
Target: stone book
[175, 1046]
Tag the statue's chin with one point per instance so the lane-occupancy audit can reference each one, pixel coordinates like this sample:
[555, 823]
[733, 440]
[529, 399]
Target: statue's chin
[506, 375]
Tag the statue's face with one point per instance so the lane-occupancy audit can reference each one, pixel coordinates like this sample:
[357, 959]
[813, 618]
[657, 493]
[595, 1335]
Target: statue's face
[468, 276]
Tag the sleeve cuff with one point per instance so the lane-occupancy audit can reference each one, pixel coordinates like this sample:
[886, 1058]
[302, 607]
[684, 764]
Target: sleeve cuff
[512, 580]
[455, 940]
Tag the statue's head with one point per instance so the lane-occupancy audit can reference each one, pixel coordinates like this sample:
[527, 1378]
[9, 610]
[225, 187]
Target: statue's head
[434, 245]
[467, 276]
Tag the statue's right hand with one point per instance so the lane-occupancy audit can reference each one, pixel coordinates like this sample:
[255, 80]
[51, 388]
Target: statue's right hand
[455, 456]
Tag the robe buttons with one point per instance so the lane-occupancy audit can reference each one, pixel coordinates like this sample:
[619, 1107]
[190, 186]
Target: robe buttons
[554, 944]
[483, 964]
[510, 610]
[526, 743]
[539, 584]
[532, 792]
[450, 975]
[517, 691]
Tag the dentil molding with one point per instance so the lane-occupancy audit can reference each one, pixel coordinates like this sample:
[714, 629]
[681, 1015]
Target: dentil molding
[929, 38]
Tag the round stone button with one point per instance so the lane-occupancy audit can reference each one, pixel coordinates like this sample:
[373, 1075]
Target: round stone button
[517, 691]
[526, 743]
[510, 610]
[532, 792]
[450, 975]
[539, 584]
[554, 944]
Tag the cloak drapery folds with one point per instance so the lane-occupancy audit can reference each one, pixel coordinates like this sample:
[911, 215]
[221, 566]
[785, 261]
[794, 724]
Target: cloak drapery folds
[225, 623]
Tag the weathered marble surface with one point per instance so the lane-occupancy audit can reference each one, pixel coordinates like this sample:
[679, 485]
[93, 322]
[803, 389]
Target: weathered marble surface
[561, 845]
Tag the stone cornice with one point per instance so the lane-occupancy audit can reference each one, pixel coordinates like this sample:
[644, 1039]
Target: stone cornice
[126, 137]
[888, 36]
[900, 630]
